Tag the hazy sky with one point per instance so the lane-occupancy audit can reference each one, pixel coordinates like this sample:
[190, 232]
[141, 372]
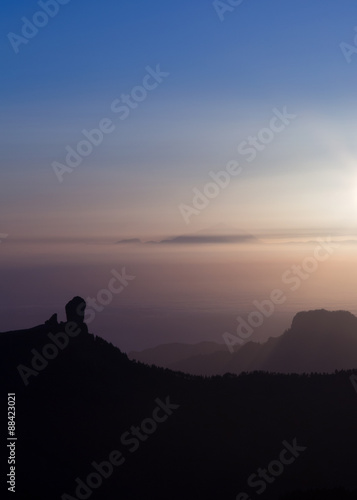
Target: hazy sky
[225, 79]
[181, 91]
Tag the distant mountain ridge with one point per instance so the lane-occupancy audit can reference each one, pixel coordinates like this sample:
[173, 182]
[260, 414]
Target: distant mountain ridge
[317, 341]
[175, 352]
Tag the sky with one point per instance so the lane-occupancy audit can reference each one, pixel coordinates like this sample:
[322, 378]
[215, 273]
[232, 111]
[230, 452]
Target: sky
[252, 104]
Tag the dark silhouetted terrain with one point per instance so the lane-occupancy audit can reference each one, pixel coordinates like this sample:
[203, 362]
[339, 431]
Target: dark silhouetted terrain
[76, 409]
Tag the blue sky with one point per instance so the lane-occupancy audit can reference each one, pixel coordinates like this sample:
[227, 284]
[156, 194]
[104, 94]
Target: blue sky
[96, 47]
[225, 79]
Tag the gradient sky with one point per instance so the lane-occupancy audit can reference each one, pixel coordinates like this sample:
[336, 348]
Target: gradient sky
[225, 79]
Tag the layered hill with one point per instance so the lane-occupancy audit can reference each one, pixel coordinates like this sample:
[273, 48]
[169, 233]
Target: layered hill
[168, 355]
[170, 435]
[317, 341]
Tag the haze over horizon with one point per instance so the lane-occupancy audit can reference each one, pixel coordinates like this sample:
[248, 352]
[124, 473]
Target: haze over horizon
[193, 121]
[186, 291]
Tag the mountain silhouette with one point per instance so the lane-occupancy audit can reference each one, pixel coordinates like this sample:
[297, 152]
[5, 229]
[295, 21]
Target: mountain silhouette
[88, 402]
[168, 354]
[317, 341]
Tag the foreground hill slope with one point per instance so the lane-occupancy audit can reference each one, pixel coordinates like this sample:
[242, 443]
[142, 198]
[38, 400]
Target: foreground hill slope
[90, 400]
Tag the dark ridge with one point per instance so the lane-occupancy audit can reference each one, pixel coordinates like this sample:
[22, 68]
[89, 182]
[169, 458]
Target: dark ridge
[77, 408]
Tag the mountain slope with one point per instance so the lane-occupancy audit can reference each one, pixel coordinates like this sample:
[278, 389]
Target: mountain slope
[168, 354]
[80, 405]
[318, 341]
